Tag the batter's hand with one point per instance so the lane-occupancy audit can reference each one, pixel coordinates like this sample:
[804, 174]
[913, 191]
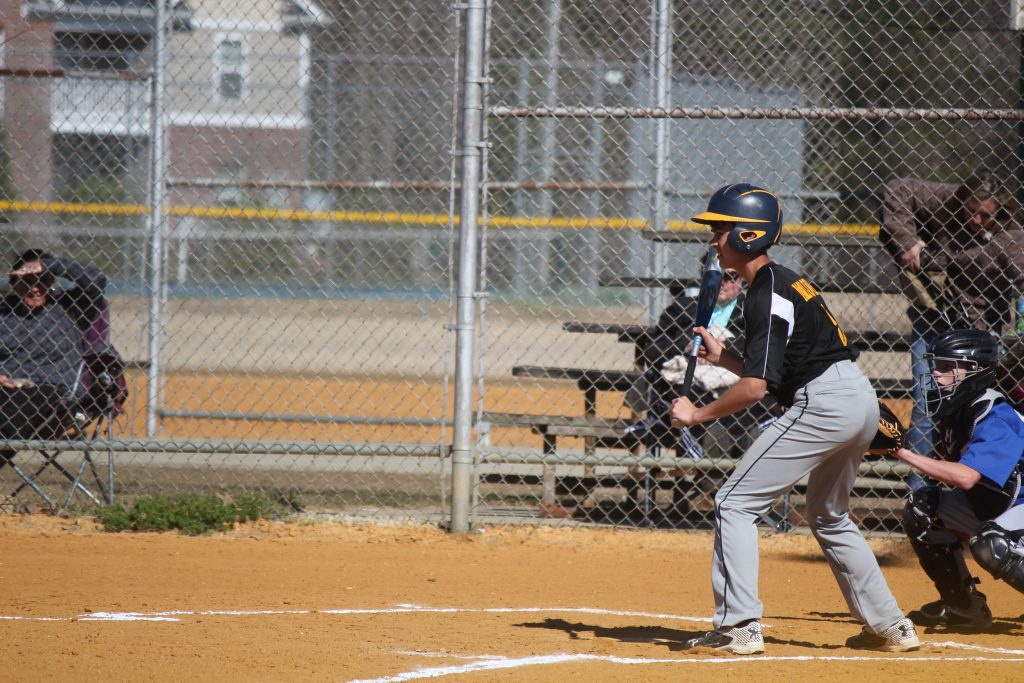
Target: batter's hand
[710, 348]
[683, 413]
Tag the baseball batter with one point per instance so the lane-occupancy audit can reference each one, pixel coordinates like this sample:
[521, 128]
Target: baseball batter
[796, 352]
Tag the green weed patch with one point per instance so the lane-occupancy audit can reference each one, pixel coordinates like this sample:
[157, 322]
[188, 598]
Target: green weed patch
[190, 513]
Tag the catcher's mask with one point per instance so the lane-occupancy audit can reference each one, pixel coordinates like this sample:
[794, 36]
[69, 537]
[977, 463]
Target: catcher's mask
[756, 214]
[961, 367]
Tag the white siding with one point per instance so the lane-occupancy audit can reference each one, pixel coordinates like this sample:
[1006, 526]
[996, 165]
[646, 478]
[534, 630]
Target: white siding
[273, 90]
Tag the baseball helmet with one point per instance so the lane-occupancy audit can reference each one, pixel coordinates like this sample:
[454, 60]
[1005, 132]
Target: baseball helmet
[974, 351]
[757, 214]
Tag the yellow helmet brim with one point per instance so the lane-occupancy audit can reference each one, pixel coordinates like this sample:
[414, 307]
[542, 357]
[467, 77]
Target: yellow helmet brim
[711, 217]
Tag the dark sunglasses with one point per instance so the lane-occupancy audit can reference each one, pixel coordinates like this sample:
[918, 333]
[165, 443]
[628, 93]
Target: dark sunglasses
[30, 281]
[730, 277]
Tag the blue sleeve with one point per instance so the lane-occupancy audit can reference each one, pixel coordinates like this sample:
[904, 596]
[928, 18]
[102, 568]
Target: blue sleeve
[997, 444]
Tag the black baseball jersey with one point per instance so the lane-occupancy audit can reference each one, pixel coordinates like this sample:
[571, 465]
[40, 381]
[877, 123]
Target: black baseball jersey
[791, 335]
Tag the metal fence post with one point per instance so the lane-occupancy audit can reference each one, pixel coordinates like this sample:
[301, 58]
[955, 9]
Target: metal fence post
[471, 151]
[661, 87]
[157, 180]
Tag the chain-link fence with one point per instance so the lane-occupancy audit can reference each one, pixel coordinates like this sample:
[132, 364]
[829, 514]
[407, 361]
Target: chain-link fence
[271, 191]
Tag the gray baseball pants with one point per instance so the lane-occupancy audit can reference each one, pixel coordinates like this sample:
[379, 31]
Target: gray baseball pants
[824, 434]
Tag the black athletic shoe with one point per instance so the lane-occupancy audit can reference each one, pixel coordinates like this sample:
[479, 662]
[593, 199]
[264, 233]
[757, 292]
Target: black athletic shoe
[941, 613]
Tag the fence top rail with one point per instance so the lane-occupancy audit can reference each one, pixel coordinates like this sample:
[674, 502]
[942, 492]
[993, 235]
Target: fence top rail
[227, 447]
[772, 113]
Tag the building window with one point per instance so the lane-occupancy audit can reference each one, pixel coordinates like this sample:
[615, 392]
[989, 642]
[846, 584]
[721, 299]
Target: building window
[230, 62]
[77, 51]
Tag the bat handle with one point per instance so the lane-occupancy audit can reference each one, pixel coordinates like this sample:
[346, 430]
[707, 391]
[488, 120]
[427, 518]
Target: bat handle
[691, 365]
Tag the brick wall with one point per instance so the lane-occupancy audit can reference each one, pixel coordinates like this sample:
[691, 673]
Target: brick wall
[237, 153]
[26, 106]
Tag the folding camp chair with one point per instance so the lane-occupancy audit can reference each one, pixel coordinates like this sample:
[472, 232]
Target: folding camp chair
[87, 414]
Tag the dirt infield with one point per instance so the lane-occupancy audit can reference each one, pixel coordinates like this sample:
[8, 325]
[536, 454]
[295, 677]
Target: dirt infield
[326, 601]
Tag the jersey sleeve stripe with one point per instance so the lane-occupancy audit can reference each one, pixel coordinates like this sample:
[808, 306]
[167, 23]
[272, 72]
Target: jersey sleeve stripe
[783, 308]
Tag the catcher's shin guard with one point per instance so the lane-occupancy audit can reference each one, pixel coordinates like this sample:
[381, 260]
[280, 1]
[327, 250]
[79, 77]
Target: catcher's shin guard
[1000, 552]
[943, 561]
[944, 564]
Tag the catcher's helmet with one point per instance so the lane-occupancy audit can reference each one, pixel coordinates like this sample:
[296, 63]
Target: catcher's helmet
[756, 212]
[974, 351]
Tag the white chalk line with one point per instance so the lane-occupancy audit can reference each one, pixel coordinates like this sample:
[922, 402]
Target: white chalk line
[494, 662]
[176, 615]
[968, 646]
[490, 664]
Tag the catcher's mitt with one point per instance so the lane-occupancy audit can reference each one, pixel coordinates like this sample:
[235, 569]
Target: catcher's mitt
[891, 435]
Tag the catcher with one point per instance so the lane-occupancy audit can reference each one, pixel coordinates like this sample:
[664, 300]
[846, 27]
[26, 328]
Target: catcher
[978, 456]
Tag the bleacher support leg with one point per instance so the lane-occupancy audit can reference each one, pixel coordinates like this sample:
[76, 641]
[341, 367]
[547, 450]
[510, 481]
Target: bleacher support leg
[548, 473]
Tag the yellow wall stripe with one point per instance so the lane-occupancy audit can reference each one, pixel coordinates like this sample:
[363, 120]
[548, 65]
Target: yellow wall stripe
[406, 218]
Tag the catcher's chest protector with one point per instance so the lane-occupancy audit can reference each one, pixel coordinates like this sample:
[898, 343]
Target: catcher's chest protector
[955, 431]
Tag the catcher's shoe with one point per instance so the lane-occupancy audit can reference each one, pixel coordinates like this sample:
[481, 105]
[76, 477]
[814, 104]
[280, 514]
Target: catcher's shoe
[900, 637]
[739, 640]
[941, 613]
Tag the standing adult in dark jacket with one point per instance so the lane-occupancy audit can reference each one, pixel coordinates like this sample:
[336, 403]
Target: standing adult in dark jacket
[42, 331]
[961, 251]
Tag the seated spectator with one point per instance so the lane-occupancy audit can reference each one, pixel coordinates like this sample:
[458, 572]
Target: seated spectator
[671, 336]
[665, 360]
[42, 332]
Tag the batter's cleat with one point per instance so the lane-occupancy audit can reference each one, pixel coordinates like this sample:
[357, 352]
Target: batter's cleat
[738, 640]
[900, 637]
[941, 613]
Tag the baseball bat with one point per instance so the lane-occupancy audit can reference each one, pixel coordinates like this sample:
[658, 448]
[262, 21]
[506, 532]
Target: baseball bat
[710, 285]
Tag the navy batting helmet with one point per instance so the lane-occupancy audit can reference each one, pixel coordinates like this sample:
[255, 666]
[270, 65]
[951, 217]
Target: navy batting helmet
[756, 212]
[976, 352]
